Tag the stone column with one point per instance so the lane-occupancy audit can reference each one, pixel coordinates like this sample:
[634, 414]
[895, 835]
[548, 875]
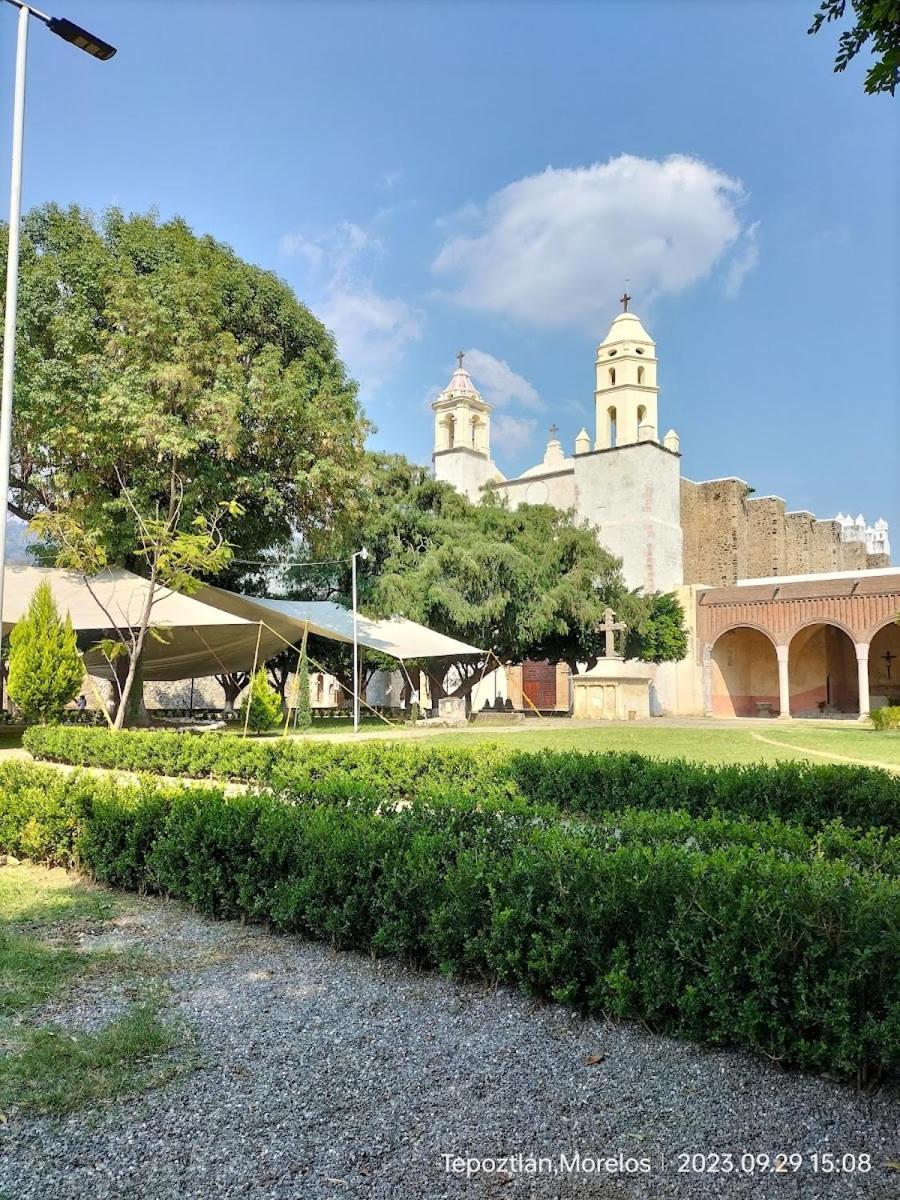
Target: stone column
[862, 667]
[706, 680]
[784, 683]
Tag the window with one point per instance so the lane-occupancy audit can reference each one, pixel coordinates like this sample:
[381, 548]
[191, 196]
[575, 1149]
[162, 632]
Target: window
[642, 414]
[612, 374]
[638, 350]
[611, 353]
[474, 429]
[611, 420]
[640, 374]
[451, 432]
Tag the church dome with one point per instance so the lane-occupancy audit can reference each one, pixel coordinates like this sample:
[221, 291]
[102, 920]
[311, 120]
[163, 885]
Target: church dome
[461, 381]
[627, 327]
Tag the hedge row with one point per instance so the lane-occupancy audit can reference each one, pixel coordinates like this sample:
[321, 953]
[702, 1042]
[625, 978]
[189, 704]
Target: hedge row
[809, 795]
[797, 960]
[41, 810]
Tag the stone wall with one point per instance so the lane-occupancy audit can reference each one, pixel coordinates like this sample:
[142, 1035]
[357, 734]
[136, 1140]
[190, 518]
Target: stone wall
[729, 534]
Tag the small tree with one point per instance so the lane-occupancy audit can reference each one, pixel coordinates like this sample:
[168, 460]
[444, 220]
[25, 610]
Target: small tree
[659, 634]
[304, 709]
[45, 668]
[264, 702]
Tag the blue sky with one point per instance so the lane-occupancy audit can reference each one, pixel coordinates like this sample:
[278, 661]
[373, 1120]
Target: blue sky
[483, 176]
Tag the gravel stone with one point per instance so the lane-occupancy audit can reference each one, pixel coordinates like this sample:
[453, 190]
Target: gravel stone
[331, 1075]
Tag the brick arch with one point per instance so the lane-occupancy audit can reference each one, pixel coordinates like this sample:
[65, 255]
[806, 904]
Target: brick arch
[883, 624]
[823, 669]
[742, 673]
[823, 620]
[742, 625]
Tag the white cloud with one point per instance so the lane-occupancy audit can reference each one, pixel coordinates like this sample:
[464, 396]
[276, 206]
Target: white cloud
[511, 435]
[372, 330]
[498, 382]
[555, 249]
[743, 261]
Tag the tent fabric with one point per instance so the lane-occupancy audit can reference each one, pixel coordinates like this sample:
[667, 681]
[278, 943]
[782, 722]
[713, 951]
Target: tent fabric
[395, 636]
[199, 639]
[210, 632]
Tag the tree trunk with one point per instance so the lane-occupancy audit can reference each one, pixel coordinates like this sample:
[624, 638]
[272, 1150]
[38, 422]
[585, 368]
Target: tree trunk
[232, 685]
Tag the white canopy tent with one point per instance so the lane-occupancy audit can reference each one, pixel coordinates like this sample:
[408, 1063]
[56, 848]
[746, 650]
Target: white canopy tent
[198, 639]
[394, 636]
[212, 632]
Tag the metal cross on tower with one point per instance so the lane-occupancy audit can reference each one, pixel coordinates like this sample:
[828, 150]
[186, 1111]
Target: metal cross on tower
[611, 627]
[460, 356]
[624, 298]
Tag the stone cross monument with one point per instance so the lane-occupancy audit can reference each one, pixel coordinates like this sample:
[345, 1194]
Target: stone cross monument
[611, 627]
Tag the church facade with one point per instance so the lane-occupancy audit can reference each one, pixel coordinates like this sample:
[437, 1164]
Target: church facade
[671, 533]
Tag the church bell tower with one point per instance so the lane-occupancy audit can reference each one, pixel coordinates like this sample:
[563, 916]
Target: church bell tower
[626, 395]
[462, 435]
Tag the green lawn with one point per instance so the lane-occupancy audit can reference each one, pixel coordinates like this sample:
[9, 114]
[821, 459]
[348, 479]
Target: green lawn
[44, 1066]
[701, 742]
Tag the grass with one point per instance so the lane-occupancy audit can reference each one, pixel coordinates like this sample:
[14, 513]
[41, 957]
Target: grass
[44, 1066]
[700, 742]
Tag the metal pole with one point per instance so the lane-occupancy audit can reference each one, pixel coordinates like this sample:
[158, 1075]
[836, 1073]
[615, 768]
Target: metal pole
[355, 652]
[12, 289]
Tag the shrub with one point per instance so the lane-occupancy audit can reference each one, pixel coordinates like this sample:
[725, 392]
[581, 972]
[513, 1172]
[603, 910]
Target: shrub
[805, 794]
[264, 703]
[45, 668]
[887, 717]
[736, 944]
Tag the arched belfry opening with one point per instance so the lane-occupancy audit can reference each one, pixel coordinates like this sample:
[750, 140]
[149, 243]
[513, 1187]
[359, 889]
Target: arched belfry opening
[611, 426]
[823, 674]
[744, 674]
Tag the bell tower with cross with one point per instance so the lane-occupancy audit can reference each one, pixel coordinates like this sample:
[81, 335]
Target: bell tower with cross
[626, 393]
[462, 434]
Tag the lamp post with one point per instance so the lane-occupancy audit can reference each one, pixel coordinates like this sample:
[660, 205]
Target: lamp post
[363, 554]
[97, 48]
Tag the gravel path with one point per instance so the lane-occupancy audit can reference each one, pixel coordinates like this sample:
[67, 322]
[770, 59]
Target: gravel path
[330, 1075]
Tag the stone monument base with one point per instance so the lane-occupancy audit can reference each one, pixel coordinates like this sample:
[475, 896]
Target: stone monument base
[614, 690]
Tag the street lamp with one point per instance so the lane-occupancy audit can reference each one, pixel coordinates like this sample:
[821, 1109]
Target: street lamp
[363, 554]
[97, 48]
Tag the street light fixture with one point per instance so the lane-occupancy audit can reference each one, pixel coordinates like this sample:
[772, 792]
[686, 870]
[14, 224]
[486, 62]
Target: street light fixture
[363, 554]
[97, 48]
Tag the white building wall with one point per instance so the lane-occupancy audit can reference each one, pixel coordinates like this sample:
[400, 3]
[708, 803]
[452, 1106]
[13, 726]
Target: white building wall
[632, 495]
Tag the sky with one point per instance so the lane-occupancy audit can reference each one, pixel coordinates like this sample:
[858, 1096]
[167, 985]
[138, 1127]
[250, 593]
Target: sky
[432, 177]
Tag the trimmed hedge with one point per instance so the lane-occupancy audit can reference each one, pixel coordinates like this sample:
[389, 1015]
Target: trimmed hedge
[805, 794]
[798, 960]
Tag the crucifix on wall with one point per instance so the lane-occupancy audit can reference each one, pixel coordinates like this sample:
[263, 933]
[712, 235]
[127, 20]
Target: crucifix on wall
[887, 658]
[610, 628]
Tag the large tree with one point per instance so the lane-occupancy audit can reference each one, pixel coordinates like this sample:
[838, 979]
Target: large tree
[145, 351]
[523, 583]
[876, 22]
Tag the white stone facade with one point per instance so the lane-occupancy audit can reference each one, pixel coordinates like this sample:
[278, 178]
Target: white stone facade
[626, 483]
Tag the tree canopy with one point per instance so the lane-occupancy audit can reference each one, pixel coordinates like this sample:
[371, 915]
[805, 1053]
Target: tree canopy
[523, 583]
[875, 21]
[145, 351]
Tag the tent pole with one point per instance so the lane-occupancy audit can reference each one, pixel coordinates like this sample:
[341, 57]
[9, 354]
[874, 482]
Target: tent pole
[252, 677]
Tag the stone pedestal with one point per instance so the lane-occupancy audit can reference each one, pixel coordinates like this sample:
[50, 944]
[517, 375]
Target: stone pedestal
[613, 691]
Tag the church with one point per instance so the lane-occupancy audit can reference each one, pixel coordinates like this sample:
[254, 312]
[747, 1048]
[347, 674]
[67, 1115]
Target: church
[784, 610]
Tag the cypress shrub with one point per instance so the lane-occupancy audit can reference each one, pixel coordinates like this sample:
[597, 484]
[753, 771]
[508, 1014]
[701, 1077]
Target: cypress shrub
[263, 702]
[45, 668]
